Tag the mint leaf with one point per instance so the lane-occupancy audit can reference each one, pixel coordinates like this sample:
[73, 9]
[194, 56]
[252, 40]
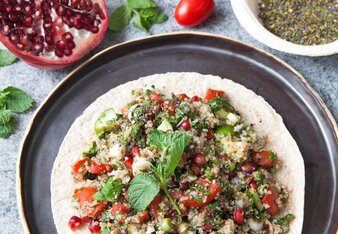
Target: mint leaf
[6, 129]
[5, 116]
[120, 18]
[141, 4]
[141, 23]
[110, 191]
[6, 58]
[171, 143]
[17, 100]
[153, 16]
[143, 188]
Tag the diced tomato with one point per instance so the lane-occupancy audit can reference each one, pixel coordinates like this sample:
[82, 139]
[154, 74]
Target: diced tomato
[84, 165]
[144, 216]
[214, 190]
[212, 93]
[182, 96]
[79, 169]
[238, 216]
[84, 196]
[118, 208]
[155, 206]
[155, 97]
[263, 158]
[128, 163]
[99, 169]
[269, 200]
[124, 110]
[195, 99]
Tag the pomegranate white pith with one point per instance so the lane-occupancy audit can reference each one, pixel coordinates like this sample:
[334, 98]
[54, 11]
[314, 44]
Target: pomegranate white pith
[52, 34]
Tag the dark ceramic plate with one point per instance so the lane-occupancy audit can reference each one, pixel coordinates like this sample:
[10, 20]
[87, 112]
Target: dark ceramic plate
[305, 115]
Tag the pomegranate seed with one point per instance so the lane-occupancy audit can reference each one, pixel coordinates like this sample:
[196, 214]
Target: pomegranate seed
[8, 8]
[86, 219]
[67, 37]
[195, 99]
[94, 226]
[253, 184]
[210, 134]
[186, 125]
[248, 167]
[177, 195]
[38, 48]
[207, 227]
[28, 10]
[58, 53]
[184, 186]
[71, 45]
[94, 30]
[135, 151]
[82, 4]
[232, 174]
[238, 216]
[61, 45]
[196, 170]
[49, 39]
[68, 52]
[199, 159]
[17, 8]
[28, 21]
[74, 223]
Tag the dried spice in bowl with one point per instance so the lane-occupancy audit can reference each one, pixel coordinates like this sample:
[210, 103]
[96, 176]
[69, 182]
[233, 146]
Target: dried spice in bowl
[305, 22]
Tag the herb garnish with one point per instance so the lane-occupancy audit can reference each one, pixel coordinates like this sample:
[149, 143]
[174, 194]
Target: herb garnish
[6, 58]
[110, 191]
[145, 12]
[144, 187]
[12, 100]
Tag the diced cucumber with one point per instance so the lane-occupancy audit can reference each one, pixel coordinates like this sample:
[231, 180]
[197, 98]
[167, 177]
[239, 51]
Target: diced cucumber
[222, 114]
[225, 130]
[255, 198]
[106, 122]
[165, 126]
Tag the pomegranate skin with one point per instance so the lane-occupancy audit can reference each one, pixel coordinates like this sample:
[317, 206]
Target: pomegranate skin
[83, 47]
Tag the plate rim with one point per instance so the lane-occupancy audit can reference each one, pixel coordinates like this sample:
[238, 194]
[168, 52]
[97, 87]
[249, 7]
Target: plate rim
[32, 121]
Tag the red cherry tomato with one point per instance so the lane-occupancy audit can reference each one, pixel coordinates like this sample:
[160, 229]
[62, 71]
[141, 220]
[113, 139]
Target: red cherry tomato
[269, 199]
[264, 158]
[190, 13]
[84, 196]
[213, 93]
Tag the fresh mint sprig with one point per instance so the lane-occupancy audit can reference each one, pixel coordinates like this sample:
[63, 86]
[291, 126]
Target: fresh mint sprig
[6, 58]
[12, 100]
[144, 187]
[143, 13]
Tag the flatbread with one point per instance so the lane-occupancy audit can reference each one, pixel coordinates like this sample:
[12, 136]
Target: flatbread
[253, 108]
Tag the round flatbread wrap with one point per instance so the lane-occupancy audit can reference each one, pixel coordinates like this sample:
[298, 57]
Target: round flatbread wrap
[267, 124]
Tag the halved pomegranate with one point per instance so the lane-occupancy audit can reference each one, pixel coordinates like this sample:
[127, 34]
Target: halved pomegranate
[52, 34]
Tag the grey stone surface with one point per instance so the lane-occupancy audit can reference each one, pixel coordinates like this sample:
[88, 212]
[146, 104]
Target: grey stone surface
[321, 73]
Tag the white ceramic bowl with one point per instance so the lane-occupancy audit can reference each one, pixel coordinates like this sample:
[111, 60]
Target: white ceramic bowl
[246, 12]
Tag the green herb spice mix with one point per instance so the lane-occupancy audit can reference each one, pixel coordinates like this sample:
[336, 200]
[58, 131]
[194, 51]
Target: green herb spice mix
[305, 22]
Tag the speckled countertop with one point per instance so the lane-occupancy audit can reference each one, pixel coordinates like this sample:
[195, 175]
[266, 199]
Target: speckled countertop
[321, 73]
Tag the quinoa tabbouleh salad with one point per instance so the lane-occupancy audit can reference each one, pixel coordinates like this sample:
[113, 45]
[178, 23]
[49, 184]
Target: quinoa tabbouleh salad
[177, 165]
